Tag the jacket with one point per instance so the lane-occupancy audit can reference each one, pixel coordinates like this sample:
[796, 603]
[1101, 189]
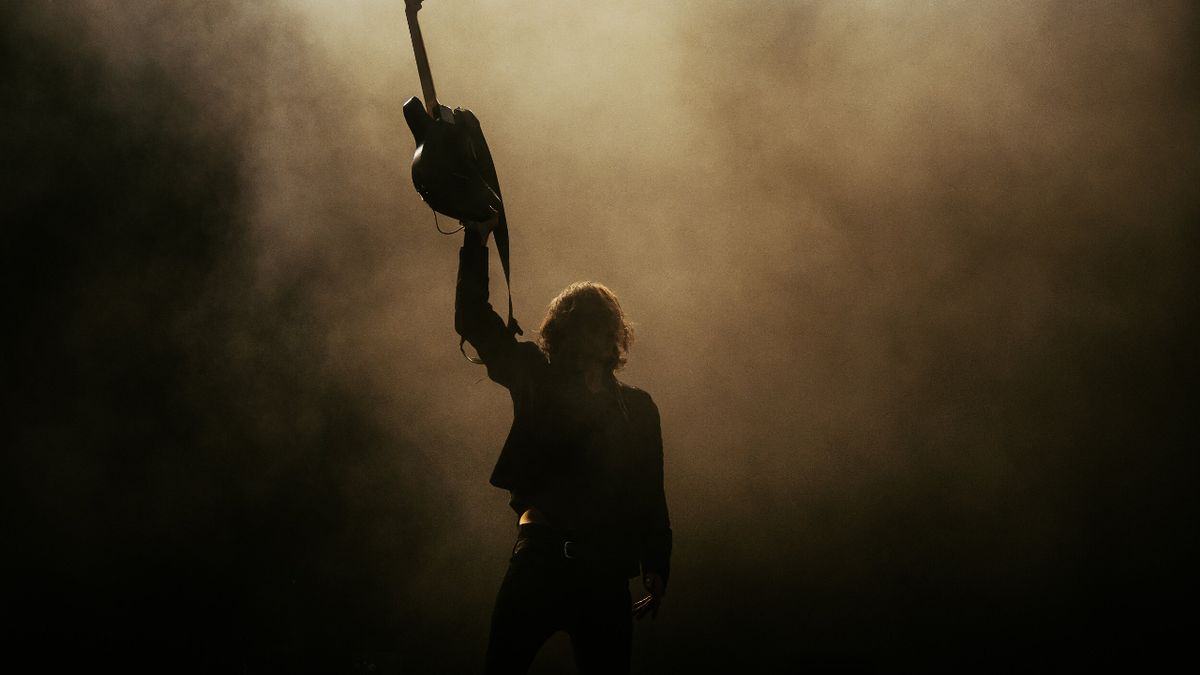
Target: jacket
[591, 462]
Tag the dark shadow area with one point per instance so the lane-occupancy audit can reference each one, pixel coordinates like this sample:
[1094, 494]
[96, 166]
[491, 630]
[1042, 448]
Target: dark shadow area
[176, 461]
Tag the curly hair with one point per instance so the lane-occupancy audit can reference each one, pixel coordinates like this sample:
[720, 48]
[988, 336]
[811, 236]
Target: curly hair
[583, 310]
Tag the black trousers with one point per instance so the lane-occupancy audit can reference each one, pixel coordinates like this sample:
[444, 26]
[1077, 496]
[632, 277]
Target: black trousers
[544, 592]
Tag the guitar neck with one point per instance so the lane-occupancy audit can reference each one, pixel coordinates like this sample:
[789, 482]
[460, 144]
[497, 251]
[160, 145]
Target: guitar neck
[414, 29]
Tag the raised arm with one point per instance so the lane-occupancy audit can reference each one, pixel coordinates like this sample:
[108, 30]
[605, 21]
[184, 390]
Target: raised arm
[474, 319]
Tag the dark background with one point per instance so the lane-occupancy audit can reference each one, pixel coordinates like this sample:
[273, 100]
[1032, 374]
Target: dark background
[915, 291]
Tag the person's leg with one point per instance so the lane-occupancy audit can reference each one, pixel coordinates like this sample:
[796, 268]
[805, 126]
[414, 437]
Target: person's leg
[601, 628]
[523, 619]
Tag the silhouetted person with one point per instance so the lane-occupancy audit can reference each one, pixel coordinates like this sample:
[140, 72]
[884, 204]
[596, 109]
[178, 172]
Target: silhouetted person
[583, 462]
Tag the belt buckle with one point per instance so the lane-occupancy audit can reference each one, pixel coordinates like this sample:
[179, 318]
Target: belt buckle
[567, 546]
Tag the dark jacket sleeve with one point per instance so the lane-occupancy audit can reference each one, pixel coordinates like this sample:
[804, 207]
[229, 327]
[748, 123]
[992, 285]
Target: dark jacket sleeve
[476, 321]
[656, 545]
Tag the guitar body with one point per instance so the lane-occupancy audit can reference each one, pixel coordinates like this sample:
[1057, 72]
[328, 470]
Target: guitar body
[452, 168]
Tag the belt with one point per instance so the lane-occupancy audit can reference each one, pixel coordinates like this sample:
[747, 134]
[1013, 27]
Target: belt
[573, 545]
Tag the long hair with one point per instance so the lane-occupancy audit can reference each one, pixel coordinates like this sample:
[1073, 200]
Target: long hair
[586, 310]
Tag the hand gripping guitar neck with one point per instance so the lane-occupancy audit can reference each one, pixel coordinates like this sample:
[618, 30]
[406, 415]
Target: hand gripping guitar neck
[452, 168]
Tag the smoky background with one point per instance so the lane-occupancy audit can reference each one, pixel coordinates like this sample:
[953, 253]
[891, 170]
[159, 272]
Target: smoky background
[913, 284]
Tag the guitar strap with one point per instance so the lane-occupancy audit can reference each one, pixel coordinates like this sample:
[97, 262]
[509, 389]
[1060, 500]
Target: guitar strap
[487, 168]
[501, 235]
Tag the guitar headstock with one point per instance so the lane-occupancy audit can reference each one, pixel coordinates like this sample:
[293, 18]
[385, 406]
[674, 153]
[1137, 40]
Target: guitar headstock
[411, 7]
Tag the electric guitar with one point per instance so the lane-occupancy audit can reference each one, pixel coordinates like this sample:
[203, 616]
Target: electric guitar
[452, 167]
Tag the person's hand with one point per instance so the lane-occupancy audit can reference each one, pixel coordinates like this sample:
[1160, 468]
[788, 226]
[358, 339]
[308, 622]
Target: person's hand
[657, 588]
[484, 228]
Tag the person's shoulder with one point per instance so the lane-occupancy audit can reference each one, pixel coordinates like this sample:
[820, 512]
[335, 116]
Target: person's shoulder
[531, 357]
[527, 349]
[637, 397]
[517, 365]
